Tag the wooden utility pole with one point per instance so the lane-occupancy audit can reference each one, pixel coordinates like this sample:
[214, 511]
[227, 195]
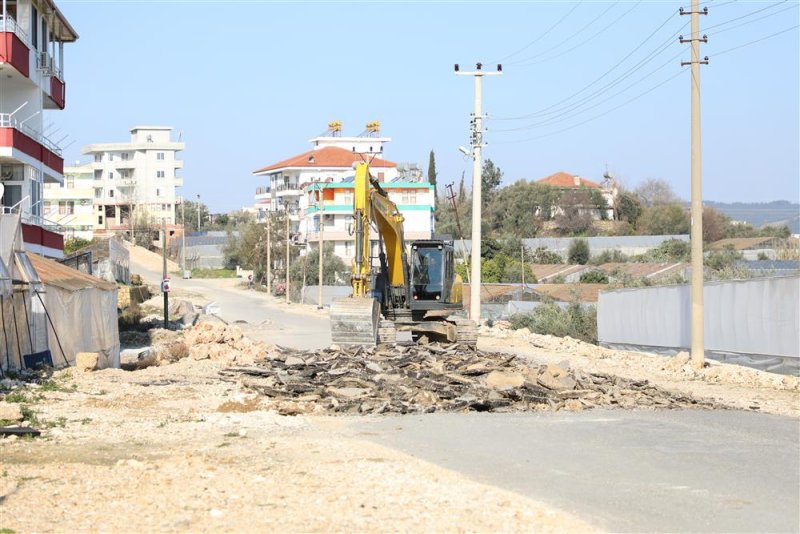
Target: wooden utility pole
[452, 197]
[698, 343]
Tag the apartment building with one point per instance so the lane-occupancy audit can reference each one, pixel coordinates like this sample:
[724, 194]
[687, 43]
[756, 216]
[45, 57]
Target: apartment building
[32, 85]
[69, 205]
[294, 185]
[135, 182]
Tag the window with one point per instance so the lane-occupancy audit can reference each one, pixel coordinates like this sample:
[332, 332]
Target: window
[348, 197]
[110, 175]
[34, 27]
[99, 219]
[110, 157]
[124, 156]
[47, 206]
[160, 155]
[409, 197]
[66, 207]
[381, 176]
[70, 183]
[98, 158]
[159, 174]
[98, 193]
[158, 192]
[98, 175]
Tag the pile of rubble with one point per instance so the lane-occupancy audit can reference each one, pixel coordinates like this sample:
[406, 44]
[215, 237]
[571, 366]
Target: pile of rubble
[204, 341]
[434, 377]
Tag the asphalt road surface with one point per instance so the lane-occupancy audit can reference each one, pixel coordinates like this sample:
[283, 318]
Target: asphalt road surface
[624, 471]
[261, 317]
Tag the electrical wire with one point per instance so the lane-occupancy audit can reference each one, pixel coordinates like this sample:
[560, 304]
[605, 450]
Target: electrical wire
[567, 116]
[637, 97]
[588, 39]
[564, 110]
[793, 6]
[572, 36]
[717, 54]
[543, 35]
[609, 71]
[650, 90]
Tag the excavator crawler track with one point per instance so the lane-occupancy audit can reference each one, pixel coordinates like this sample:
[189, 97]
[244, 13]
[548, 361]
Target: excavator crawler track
[354, 321]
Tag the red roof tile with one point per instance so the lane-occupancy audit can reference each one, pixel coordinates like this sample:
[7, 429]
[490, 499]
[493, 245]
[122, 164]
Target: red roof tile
[329, 156]
[563, 179]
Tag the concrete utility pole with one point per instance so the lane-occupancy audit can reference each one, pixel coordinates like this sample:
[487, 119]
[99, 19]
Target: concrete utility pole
[269, 254]
[164, 271]
[288, 300]
[477, 144]
[321, 246]
[183, 238]
[698, 344]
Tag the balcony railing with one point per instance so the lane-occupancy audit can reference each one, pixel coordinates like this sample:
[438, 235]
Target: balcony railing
[8, 24]
[287, 187]
[46, 64]
[7, 120]
[262, 190]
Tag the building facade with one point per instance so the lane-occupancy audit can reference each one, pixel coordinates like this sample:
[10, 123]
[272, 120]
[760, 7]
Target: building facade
[135, 182]
[325, 173]
[32, 85]
[69, 205]
[569, 182]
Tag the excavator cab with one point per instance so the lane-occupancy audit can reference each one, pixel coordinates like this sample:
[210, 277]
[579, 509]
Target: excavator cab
[432, 275]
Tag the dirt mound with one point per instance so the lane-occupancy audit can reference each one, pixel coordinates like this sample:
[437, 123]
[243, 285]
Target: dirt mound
[422, 379]
[679, 365]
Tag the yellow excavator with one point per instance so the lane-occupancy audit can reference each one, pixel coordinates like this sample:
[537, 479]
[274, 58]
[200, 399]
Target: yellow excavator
[414, 287]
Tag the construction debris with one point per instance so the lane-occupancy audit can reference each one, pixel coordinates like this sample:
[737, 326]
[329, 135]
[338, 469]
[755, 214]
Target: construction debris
[436, 377]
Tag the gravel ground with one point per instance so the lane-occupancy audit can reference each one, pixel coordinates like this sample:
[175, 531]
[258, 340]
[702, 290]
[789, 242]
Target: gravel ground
[174, 448]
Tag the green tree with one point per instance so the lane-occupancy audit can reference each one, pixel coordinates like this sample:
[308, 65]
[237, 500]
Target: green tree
[432, 172]
[579, 252]
[334, 271]
[628, 207]
[664, 219]
[189, 210]
[247, 247]
[491, 176]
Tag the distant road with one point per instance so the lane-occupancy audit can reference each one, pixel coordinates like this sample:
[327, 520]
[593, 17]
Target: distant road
[267, 318]
[624, 471]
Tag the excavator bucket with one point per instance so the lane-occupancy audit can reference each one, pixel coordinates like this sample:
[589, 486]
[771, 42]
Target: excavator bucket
[354, 321]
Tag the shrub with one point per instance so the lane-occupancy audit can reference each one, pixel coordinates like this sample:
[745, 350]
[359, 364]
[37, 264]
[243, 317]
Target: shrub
[722, 259]
[576, 321]
[544, 255]
[595, 276]
[579, 251]
[671, 250]
[609, 256]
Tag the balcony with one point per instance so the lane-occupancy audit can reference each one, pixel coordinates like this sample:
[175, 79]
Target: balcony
[18, 136]
[126, 182]
[284, 190]
[14, 46]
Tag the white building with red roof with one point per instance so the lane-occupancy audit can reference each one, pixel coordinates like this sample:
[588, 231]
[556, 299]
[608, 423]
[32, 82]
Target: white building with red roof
[296, 184]
[568, 182]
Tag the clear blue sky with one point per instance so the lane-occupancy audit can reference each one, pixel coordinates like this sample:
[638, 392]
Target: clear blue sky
[248, 83]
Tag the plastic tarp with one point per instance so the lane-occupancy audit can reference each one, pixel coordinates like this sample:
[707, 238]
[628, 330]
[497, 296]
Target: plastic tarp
[746, 321]
[85, 321]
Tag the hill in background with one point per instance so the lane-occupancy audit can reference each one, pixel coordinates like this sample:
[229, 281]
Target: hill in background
[758, 214]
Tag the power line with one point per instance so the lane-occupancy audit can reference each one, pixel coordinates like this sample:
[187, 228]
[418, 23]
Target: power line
[629, 101]
[575, 34]
[543, 35]
[587, 40]
[793, 6]
[567, 115]
[717, 54]
[609, 71]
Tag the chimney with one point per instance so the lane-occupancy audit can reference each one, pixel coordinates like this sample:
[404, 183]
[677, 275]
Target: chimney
[576, 180]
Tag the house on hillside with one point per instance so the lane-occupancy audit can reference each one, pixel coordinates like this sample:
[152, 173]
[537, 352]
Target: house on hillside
[568, 182]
